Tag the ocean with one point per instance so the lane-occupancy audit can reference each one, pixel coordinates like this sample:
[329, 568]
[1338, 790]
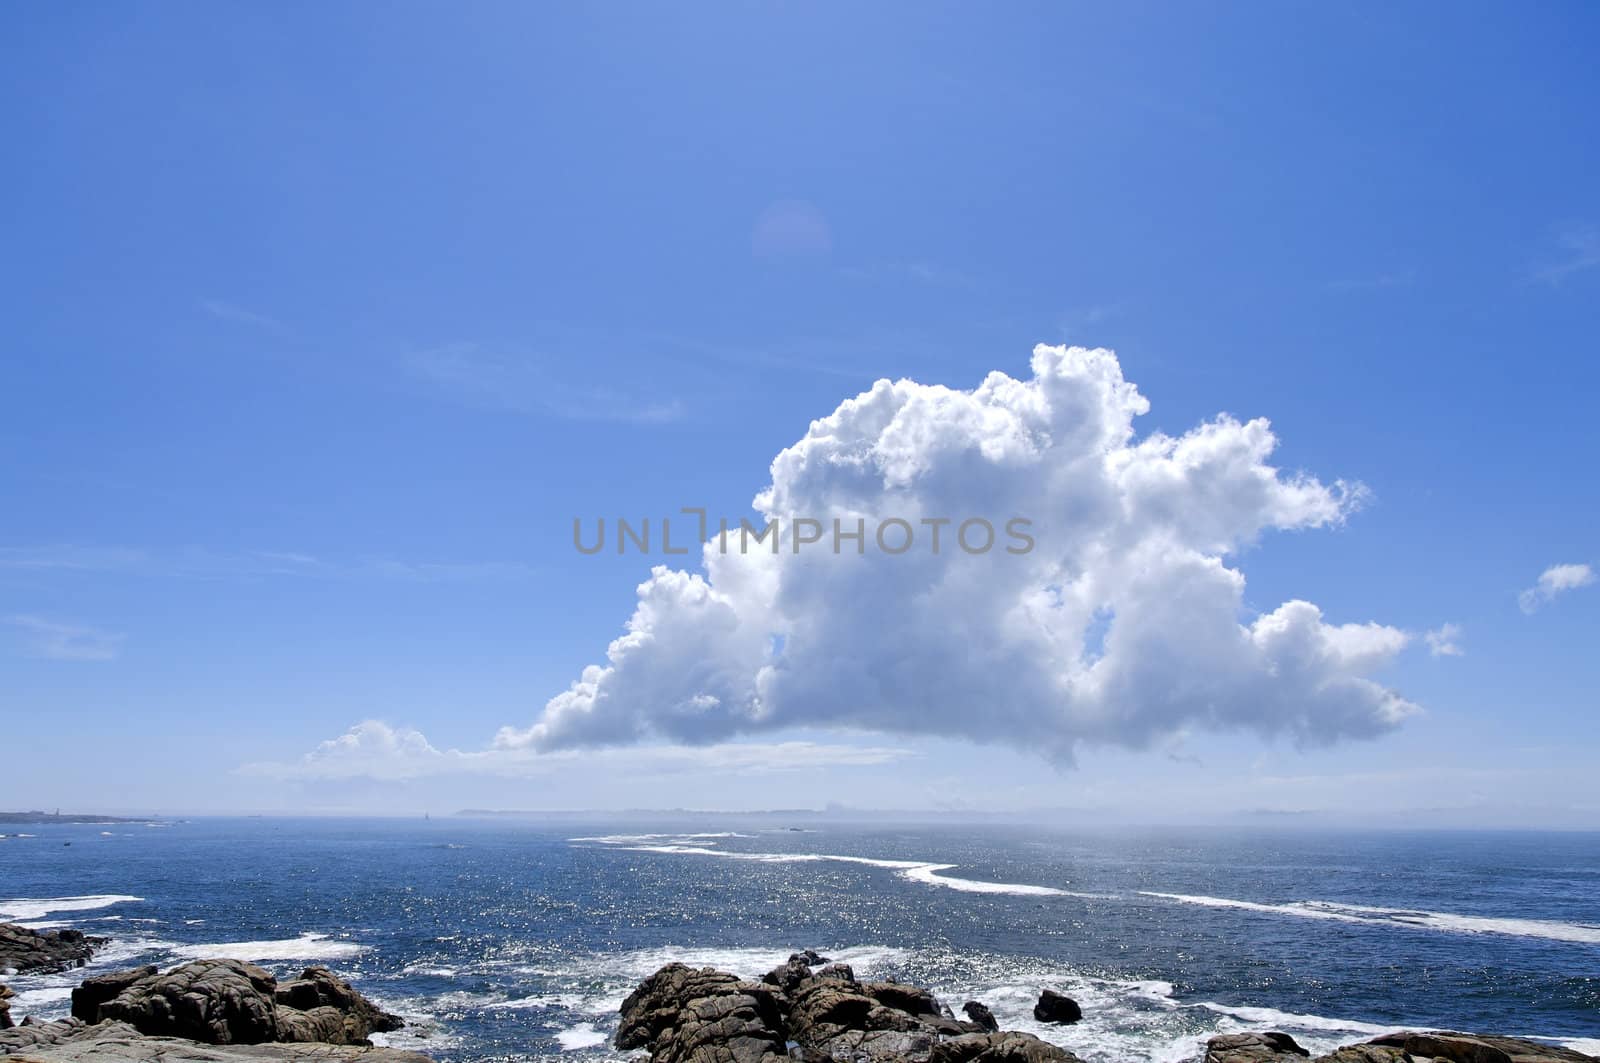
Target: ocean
[504, 938]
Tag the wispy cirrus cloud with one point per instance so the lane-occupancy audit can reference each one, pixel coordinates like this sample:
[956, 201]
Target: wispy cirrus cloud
[67, 558]
[71, 557]
[1578, 249]
[1554, 582]
[528, 385]
[226, 311]
[55, 641]
[374, 749]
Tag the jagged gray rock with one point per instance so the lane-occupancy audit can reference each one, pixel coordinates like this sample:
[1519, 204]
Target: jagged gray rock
[1477, 1048]
[88, 996]
[232, 1002]
[980, 1014]
[321, 1006]
[1405, 1046]
[1055, 1008]
[73, 1041]
[1365, 1054]
[26, 951]
[1007, 1047]
[705, 1016]
[217, 1002]
[841, 971]
[684, 1015]
[1254, 1048]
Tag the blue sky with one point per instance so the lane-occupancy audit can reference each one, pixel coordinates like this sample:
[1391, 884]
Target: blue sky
[324, 323]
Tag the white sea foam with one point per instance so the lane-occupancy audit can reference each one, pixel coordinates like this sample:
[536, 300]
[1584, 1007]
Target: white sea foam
[308, 946]
[1125, 1019]
[47, 996]
[583, 1035]
[31, 1000]
[1589, 1046]
[20, 908]
[1448, 922]
[432, 970]
[573, 1001]
[1271, 1018]
[921, 871]
[629, 839]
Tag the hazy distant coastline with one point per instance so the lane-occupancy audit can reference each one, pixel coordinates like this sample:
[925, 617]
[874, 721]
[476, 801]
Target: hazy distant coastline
[36, 817]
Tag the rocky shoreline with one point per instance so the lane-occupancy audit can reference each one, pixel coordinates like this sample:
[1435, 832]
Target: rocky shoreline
[809, 1010]
[27, 951]
[813, 1011]
[211, 1010]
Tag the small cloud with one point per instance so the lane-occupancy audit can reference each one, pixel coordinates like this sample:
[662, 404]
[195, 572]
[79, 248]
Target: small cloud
[66, 642]
[1553, 581]
[791, 228]
[1580, 246]
[1442, 641]
[224, 311]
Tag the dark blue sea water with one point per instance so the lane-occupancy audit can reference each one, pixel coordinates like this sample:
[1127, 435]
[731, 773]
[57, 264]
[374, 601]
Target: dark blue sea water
[503, 939]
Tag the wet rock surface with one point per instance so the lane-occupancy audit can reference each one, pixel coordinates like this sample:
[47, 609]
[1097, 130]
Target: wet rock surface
[225, 1002]
[25, 951]
[1405, 1046]
[812, 1011]
[74, 1041]
[1055, 1008]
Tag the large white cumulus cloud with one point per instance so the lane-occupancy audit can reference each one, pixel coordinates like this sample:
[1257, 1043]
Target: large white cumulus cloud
[1125, 624]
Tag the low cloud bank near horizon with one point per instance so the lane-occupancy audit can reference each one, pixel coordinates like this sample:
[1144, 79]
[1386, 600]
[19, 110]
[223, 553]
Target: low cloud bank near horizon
[1124, 626]
[376, 750]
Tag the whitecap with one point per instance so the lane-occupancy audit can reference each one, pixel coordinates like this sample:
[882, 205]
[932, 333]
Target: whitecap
[31, 1000]
[308, 946]
[583, 1035]
[1417, 919]
[627, 839]
[20, 908]
[430, 970]
[922, 871]
[1277, 1020]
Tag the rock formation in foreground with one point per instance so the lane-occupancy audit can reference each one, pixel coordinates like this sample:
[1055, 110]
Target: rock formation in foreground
[224, 1002]
[210, 1011]
[24, 951]
[70, 1041]
[684, 1015]
[1403, 1047]
[812, 1011]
